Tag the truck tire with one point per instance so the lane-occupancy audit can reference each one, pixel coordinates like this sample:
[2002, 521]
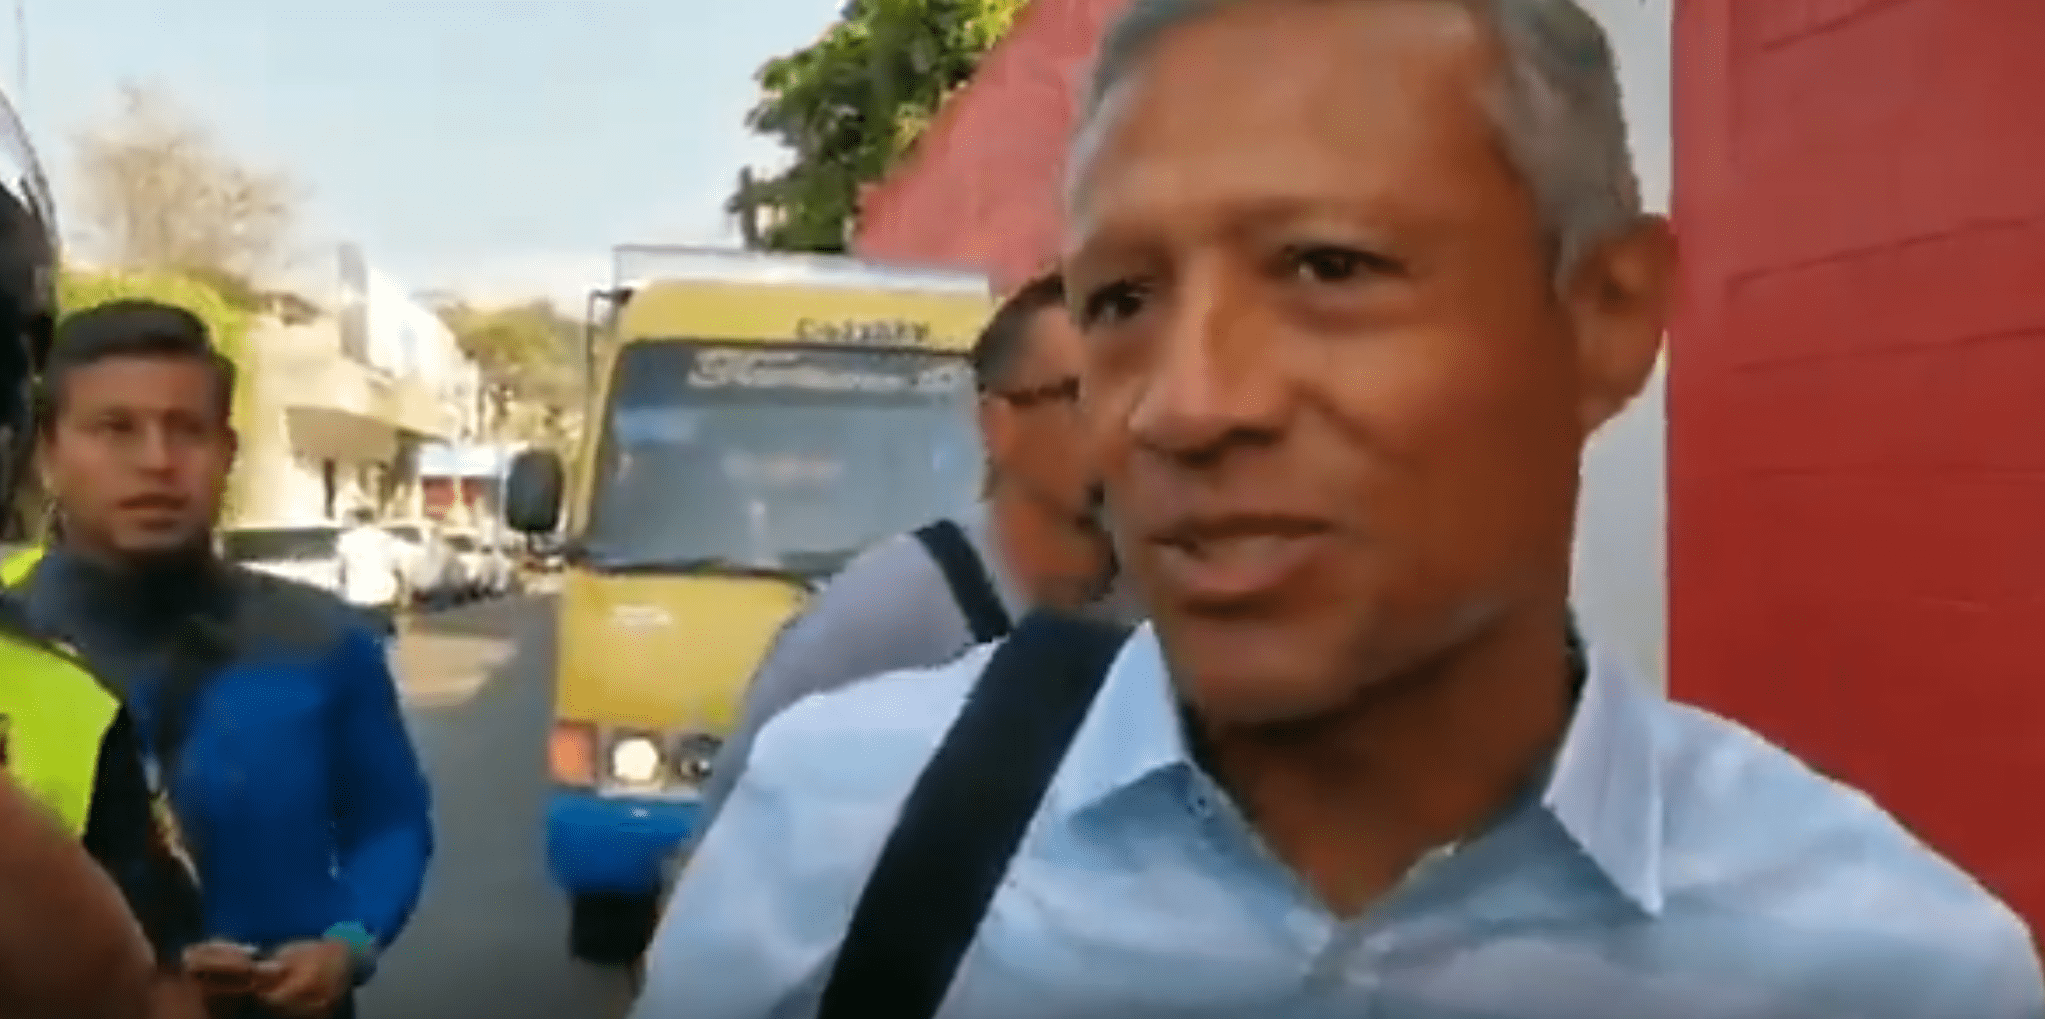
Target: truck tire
[611, 930]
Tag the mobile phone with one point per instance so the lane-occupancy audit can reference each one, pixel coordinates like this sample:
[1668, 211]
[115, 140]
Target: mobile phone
[223, 954]
[226, 982]
[225, 967]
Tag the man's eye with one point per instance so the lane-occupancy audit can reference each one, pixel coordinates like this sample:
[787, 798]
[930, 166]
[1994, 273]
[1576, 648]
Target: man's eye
[1328, 264]
[1111, 303]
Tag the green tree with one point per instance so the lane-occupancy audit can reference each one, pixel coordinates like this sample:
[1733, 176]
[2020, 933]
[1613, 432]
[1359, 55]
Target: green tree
[530, 351]
[853, 103]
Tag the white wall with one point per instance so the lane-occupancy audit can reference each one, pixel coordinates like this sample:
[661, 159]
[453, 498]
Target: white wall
[406, 338]
[1621, 589]
[1621, 578]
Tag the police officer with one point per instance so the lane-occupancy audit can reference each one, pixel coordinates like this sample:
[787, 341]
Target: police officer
[77, 792]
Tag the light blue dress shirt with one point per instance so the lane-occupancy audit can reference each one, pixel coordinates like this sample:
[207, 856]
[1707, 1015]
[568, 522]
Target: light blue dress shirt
[1676, 866]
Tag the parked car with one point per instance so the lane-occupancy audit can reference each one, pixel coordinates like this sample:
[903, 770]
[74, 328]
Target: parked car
[508, 552]
[430, 568]
[307, 553]
[478, 574]
[500, 569]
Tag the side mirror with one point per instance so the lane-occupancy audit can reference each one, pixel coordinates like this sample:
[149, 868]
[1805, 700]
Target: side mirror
[532, 492]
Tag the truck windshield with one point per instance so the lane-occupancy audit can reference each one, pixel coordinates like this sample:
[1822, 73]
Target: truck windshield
[771, 458]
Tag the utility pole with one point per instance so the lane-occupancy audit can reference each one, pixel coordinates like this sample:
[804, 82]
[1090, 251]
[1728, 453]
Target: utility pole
[747, 206]
[20, 53]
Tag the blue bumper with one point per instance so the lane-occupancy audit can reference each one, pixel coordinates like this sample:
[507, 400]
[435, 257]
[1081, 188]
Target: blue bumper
[613, 845]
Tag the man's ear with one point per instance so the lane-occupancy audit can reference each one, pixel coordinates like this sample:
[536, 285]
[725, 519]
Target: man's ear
[997, 427]
[1618, 303]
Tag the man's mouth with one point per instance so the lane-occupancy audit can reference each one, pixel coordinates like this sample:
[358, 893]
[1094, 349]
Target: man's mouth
[1220, 560]
[152, 504]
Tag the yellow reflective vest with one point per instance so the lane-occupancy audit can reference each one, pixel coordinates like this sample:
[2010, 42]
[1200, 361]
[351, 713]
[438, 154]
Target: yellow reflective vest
[54, 715]
[14, 570]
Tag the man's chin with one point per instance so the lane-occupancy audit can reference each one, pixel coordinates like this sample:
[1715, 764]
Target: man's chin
[1244, 680]
[154, 544]
[1253, 702]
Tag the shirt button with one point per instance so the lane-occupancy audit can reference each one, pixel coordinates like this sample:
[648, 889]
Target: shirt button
[1202, 805]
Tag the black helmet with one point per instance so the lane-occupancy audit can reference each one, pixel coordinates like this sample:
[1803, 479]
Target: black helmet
[28, 297]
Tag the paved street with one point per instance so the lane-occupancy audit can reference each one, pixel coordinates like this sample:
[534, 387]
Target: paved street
[490, 936]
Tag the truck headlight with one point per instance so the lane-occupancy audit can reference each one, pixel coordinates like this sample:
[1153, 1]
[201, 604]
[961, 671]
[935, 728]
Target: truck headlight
[635, 760]
[693, 755]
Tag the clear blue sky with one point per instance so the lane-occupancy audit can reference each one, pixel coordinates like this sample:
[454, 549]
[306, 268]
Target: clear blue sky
[500, 146]
[491, 145]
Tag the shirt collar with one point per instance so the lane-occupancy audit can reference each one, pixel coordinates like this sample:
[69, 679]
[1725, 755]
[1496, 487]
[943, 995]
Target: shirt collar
[1603, 790]
[1606, 789]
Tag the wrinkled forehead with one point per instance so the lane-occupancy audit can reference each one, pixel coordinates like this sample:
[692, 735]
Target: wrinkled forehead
[1367, 99]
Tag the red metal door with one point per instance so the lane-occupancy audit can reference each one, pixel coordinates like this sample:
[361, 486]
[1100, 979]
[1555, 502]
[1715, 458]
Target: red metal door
[1857, 401]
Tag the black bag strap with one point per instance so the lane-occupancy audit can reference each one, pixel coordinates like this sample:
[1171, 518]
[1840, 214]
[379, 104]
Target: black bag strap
[971, 587]
[965, 818]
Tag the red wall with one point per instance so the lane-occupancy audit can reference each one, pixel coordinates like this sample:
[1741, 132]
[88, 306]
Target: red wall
[981, 189]
[1857, 401]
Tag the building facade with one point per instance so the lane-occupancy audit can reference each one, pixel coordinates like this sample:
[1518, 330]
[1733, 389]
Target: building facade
[341, 405]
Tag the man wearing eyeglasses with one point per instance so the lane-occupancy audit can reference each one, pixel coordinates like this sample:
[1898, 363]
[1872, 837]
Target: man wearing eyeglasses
[920, 599]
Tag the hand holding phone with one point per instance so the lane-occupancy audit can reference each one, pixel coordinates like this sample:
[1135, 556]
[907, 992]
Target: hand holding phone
[224, 967]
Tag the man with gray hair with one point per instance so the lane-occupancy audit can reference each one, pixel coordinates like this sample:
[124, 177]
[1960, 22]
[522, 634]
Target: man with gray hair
[1357, 279]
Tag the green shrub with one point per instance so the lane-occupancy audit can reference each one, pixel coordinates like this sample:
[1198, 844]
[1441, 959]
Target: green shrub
[229, 323]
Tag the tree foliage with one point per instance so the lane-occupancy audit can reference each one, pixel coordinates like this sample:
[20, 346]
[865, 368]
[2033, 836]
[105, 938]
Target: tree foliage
[160, 194]
[228, 321]
[854, 102]
[532, 356]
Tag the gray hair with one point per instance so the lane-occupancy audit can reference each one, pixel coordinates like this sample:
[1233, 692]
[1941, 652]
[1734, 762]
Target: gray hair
[1556, 105]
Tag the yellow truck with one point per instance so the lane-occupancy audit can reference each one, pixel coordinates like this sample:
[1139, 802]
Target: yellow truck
[756, 420]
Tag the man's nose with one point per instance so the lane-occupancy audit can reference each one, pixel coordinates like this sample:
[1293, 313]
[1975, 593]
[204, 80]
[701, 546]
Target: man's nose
[1214, 380]
[153, 448]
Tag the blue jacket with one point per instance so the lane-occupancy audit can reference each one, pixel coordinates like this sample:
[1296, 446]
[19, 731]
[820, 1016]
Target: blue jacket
[298, 786]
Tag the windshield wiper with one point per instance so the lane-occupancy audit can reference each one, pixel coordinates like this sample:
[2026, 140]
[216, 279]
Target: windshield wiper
[818, 565]
[712, 566]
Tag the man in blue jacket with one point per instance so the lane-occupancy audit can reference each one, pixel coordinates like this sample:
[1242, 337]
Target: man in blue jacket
[267, 707]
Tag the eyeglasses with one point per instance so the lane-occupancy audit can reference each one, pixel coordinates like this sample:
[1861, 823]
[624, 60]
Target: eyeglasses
[1065, 390]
